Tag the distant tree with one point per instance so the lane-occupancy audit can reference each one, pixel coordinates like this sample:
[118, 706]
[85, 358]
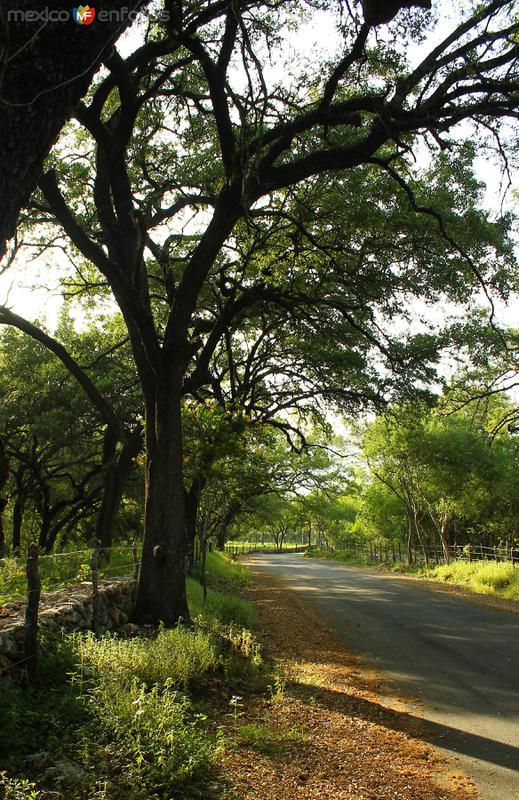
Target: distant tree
[447, 475]
[66, 467]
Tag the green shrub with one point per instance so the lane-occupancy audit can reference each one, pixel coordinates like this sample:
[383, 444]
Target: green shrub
[178, 657]
[17, 789]
[60, 570]
[119, 710]
[35, 719]
[162, 739]
[13, 583]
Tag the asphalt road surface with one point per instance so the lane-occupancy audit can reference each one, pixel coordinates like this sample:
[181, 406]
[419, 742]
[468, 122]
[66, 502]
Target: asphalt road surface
[455, 662]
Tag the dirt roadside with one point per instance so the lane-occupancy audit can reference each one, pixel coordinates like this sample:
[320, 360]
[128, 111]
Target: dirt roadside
[336, 738]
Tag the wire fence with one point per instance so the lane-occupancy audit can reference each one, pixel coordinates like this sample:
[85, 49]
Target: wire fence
[22, 583]
[62, 570]
[386, 552]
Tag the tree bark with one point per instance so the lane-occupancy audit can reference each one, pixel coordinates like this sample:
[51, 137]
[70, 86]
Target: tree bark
[443, 536]
[420, 537]
[18, 509]
[161, 592]
[192, 504]
[4, 475]
[115, 480]
[42, 77]
[226, 520]
[409, 542]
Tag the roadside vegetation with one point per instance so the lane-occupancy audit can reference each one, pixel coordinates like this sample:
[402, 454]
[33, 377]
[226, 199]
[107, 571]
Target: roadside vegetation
[481, 577]
[145, 717]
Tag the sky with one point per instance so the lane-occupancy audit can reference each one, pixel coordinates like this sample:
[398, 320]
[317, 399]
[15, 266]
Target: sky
[32, 289]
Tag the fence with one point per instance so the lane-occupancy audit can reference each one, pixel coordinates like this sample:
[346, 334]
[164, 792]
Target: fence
[385, 552]
[241, 548]
[21, 585]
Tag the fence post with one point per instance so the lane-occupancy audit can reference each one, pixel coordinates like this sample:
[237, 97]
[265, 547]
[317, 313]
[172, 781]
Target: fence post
[95, 590]
[31, 612]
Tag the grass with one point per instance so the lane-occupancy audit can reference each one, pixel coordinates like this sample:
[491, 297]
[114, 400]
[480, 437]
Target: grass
[498, 579]
[180, 658]
[67, 569]
[267, 739]
[223, 571]
[218, 606]
[121, 719]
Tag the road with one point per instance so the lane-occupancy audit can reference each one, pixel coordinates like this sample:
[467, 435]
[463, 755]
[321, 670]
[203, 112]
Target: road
[455, 662]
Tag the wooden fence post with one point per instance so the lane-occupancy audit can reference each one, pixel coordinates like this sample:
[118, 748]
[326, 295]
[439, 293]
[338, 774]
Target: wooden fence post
[31, 612]
[95, 590]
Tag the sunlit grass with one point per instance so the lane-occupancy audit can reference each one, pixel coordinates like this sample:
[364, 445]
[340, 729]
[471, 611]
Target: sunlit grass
[221, 606]
[222, 566]
[500, 579]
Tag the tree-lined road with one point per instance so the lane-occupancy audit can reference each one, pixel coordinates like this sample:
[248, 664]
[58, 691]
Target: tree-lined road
[455, 661]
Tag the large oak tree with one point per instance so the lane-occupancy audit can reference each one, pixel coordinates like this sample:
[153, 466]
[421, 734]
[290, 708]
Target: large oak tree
[160, 216]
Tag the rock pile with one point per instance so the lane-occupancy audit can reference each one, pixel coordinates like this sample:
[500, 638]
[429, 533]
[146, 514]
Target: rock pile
[68, 610]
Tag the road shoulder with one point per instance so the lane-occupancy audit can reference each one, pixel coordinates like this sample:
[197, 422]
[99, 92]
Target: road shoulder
[336, 737]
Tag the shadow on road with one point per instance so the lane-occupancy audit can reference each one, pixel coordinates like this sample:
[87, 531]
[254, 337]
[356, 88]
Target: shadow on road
[458, 741]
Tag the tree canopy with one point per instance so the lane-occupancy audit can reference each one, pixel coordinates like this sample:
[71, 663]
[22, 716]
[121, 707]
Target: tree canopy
[46, 64]
[264, 237]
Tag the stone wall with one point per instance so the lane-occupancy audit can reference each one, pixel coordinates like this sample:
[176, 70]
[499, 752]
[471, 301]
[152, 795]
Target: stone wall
[67, 609]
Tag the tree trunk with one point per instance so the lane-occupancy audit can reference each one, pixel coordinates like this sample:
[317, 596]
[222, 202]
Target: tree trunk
[115, 480]
[192, 504]
[18, 509]
[44, 539]
[409, 542]
[420, 538]
[161, 592]
[443, 536]
[225, 522]
[4, 475]
[3, 503]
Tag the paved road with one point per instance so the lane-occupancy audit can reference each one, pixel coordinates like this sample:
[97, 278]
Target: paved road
[457, 662]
